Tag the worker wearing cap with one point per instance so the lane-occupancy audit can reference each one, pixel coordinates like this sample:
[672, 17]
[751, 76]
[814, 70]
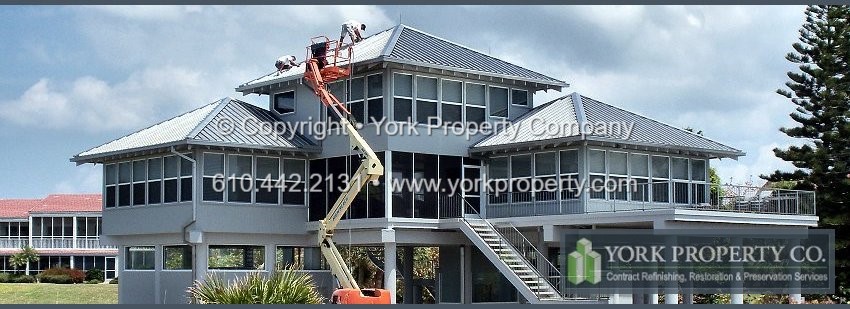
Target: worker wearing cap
[285, 63]
[354, 29]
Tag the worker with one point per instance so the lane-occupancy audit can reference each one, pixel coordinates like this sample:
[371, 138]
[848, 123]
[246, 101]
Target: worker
[285, 63]
[354, 29]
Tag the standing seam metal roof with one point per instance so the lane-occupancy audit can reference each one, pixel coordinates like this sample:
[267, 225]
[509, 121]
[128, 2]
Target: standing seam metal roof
[566, 112]
[227, 122]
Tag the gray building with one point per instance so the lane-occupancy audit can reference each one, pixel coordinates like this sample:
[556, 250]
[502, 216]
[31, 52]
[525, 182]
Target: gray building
[230, 188]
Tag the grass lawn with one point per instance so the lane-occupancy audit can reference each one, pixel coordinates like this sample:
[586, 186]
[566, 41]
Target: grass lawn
[45, 293]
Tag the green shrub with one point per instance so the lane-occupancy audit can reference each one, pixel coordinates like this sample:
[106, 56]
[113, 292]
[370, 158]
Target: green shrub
[57, 279]
[114, 281]
[5, 277]
[76, 275]
[281, 287]
[22, 279]
[94, 274]
[93, 281]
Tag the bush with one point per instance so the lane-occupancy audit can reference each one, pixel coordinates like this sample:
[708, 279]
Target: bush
[22, 279]
[93, 281]
[57, 279]
[282, 287]
[94, 274]
[114, 281]
[76, 275]
[5, 277]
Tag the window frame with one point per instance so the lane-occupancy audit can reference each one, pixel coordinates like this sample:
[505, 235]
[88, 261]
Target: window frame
[527, 104]
[416, 99]
[294, 101]
[410, 98]
[442, 100]
[368, 99]
[244, 269]
[466, 104]
[489, 102]
[126, 265]
[231, 179]
[191, 257]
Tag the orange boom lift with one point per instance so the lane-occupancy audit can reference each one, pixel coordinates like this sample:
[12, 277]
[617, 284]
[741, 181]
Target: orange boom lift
[325, 60]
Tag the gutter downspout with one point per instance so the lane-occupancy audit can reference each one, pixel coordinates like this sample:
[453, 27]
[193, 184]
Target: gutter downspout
[194, 210]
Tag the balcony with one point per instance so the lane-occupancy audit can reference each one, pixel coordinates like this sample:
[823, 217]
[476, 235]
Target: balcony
[69, 243]
[648, 196]
[9, 243]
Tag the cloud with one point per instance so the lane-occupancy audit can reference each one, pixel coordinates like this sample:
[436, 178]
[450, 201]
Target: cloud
[764, 163]
[85, 179]
[94, 105]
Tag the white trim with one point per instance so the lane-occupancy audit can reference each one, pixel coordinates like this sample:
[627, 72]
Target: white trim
[489, 102]
[273, 97]
[528, 103]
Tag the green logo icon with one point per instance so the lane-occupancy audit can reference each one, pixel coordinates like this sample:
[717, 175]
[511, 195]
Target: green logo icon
[584, 264]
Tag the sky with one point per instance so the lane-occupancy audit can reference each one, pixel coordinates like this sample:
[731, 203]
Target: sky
[76, 77]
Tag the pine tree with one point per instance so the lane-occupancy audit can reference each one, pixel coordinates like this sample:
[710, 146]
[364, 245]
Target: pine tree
[819, 90]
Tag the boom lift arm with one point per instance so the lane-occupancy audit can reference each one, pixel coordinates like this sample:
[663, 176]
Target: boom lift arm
[317, 74]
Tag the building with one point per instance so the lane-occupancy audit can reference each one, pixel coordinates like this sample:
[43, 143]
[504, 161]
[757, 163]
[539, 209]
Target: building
[64, 229]
[186, 190]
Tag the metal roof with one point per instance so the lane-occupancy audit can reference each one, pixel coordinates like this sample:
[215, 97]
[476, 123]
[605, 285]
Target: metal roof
[227, 122]
[576, 111]
[407, 45]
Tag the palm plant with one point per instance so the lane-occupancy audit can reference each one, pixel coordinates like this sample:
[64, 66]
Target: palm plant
[21, 259]
[289, 286]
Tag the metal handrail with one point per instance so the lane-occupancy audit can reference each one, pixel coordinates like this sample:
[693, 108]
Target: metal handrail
[551, 270]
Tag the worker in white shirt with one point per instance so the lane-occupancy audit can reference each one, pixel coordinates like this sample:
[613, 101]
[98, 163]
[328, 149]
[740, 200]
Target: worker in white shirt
[354, 29]
[285, 63]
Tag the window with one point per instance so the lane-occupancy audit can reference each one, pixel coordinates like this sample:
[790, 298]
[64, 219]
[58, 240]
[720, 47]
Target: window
[125, 177]
[140, 258]
[170, 184]
[337, 89]
[284, 102]
[266, 180]
[699, 187]
[236, 257]
[569, 184]
[545, 172]
[213, 177]
[475, 103]
[402, 165]
[426, 100]
[375, 97]
[154, 181]
[308, 258]
[176, 257]
[596, 166]
[110, 180]
[295, 171]
[402, 97]
[185, 179]
[452, 102]
[239, 179]
[679, 171]
[617, 175]
[639, 170]
[660, 179]
[355, 104]
[521, 178]
[519, 97]
[139, 178]
[498, 101]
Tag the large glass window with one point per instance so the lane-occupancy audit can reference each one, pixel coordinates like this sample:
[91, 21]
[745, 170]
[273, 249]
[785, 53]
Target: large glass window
[596, 166]
[426, 100]
[284, 102]
[618, 175]
[139, 178]
[308, 258]
[402, 97]
[110, 180]
[177, 257]
[475, 103]
[140, 258]
[452, 102]
[239, 179]
[356, 103]
[569, 183]
[185, 179]
[171, 182]
[154, 180]
[236, 257]
[546, 173]
[679, 170]
[639, 170]
[214, 182]
[498, 101]
[125, 178]
[295, 182]
[520, 97]
[402, 165]
[266, 180]
[375, 97]
[660, 179]
[521, 173]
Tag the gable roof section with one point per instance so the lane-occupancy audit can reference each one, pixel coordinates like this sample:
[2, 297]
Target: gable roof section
[217, 124]
[16, 208]
[407, 45]
[574, 111]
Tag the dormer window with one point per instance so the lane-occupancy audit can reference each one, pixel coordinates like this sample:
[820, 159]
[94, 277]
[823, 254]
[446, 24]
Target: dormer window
[284, 102]
[519, 97]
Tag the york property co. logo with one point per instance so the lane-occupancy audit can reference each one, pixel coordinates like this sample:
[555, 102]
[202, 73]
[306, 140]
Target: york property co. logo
[584, 264]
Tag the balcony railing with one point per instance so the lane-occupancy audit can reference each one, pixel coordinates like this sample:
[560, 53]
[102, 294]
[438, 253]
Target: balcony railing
[8, 243]
[657, 195]
[69, 243]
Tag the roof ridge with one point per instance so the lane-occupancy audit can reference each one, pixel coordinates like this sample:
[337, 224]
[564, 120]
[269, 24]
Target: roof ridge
[474, 50]
[659, 122]
[150, 126]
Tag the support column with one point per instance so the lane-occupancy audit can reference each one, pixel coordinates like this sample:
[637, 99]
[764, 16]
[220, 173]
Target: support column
[737, 298]
[653, 298]
[737, 292]
[270, 259]
[466, 270]
[157, 268]
[201, 261]
[671, 298]
[390, 254]
[407, 273]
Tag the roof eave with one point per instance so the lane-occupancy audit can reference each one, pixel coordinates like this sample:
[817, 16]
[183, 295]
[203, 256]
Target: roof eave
[98, 158]
[715, 152]
[94, 158]
[555, 84]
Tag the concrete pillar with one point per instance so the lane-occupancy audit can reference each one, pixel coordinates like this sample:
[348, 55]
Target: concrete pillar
[390, 255]
[737, 298]
[407, 273]
[157, 268]
[269, 257]
[466, 270]
[671, 298]
[653, 298]
[201, 261]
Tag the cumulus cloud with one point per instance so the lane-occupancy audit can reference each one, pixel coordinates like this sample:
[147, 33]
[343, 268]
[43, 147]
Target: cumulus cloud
[84, 179]
[92, 104]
